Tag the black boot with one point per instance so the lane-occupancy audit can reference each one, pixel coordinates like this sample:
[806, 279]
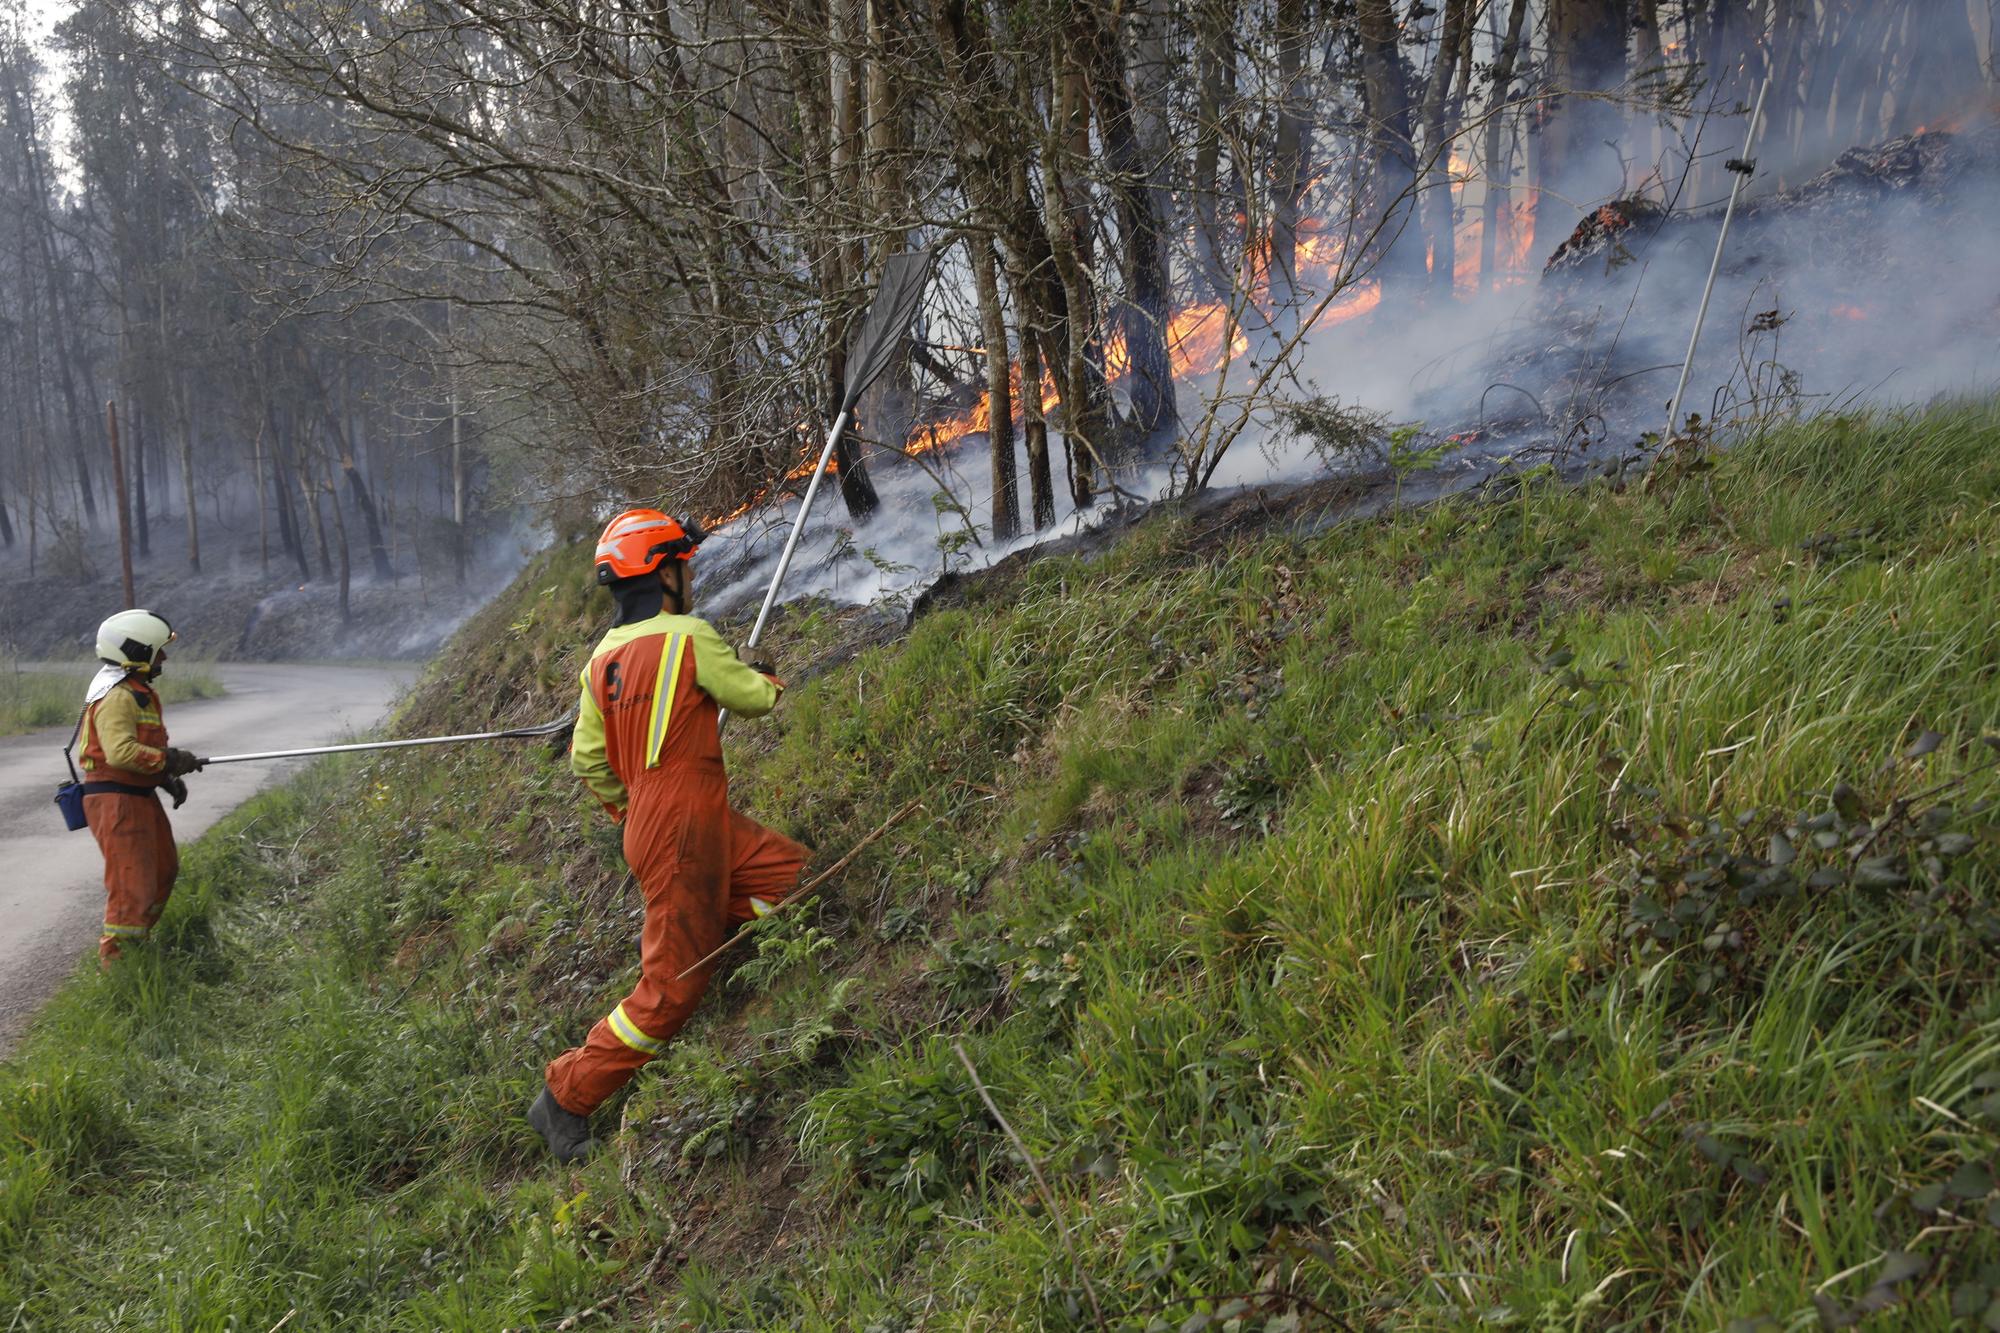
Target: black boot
[567, 1134]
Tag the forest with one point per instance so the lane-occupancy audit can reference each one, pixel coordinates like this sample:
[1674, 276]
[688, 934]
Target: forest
[360, 269]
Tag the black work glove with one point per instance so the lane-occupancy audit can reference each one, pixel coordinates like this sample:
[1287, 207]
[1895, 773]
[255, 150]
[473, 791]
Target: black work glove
[181, 761]
[762, 666]
[176, 788]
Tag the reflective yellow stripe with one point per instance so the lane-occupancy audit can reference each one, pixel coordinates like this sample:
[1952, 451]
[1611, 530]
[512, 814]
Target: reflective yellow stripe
[663, 697]
[127, 932]
[628, 1032]
[758, 907]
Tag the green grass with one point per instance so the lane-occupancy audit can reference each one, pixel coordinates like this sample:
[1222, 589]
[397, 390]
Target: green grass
[1575, 910]
[37, 697]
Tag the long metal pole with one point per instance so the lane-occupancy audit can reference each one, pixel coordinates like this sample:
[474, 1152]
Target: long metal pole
[518, 733]
[798, 527]
[1715, 264]
[792, 542]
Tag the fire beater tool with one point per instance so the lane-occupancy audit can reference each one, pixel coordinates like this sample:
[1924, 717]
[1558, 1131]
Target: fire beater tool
[1742, 169]
[902, 287]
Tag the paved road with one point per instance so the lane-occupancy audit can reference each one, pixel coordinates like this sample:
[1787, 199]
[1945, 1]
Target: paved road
[51, 880]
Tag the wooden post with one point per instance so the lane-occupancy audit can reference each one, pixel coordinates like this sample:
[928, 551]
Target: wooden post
[124, 507]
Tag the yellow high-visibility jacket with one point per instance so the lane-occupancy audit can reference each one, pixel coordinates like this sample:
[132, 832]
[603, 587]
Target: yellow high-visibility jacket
[642, 671]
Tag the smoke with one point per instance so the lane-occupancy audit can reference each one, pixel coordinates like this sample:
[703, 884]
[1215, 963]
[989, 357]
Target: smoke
[1873, 284]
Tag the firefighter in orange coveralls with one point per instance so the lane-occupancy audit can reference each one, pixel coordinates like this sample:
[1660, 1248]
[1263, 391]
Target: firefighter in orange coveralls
[648, 744]
[127, 762]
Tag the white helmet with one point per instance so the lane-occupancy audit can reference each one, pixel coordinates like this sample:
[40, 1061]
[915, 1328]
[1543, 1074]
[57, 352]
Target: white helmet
[133, 639]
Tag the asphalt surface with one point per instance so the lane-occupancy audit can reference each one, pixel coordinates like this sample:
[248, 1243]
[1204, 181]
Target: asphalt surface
[52, 880]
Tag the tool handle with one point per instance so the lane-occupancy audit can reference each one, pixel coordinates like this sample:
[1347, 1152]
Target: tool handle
[515, 733]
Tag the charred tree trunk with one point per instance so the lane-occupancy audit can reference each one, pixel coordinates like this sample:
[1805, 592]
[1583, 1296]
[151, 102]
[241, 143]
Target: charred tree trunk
[1035, 431]
[999, 396]
[846, 30]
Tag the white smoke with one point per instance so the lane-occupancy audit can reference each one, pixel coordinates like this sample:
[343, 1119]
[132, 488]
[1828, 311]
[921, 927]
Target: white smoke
[1881, 290]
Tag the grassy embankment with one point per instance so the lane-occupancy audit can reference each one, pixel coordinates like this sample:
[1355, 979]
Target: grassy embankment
[1576, 910]
[34, 697]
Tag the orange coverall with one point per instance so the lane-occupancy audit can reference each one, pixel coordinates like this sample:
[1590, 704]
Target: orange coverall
[647, 744]
[123, 753]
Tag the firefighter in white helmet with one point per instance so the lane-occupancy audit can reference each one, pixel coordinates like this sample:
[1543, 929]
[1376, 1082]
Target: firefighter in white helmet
[127, 763]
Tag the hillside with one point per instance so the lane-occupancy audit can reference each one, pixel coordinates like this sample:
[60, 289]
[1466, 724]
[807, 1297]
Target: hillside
[1560, 908]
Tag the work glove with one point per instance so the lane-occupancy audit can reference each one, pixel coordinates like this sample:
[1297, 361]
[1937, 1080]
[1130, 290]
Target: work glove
[176, 788]
[762, 666]
[181, 761]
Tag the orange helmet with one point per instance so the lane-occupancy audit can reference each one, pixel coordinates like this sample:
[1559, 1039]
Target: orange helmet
[639, 541]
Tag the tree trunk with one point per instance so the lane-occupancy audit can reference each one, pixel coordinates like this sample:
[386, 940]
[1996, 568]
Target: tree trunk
[309, 497]
[1288, 165]
[21, 107]
[999, 398]
[1215, 80]
[1580, 165]
[263, 514]
[847, 27]
[289, 535]
[139, 477]
[1440, 125]
[1386, 92]
[184, 427]
[340, 531]
[459, 552]
[1942, 75]
[1080, 377]
[1146, 310]
[378, 553]
[1034, 419]
[1503, 79]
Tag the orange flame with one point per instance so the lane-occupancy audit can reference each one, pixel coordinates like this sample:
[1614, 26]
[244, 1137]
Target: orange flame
[1207, 337]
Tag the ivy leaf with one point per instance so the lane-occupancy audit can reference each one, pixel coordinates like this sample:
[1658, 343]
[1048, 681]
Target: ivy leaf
[1901, 1266]
[1973, 1180]
[1847, 802]
[1881, 872]
[1924, 745]
[1781, 851]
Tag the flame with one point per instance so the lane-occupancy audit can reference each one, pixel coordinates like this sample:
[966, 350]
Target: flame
[1202, 338]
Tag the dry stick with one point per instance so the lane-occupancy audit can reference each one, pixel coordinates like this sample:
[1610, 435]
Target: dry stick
[1041, 1181]
[802, 894]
